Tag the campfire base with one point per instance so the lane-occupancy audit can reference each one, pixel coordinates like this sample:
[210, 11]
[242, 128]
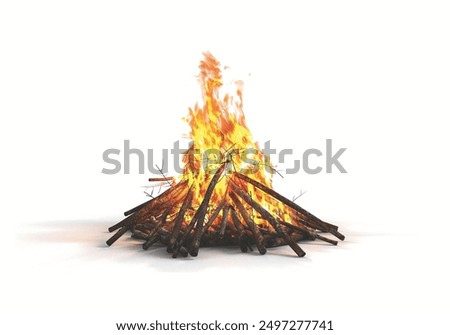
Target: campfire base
[170, 220]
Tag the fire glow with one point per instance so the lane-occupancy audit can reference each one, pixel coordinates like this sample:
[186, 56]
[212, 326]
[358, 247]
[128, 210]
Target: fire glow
[227, 200]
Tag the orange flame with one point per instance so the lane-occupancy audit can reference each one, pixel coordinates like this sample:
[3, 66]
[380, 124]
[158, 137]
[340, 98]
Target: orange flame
[220, 135]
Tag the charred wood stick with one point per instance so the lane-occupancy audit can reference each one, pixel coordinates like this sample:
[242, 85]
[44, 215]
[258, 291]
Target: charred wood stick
[308, 233]
[214, 216]
[139, 235]
[326, 226]
[131, 211]
[161, 179]
[325, 239]
[240, 229]
[317, 226]
[118, 234]
[223, 223]
[231, 231]
[154, 230]
[125, 222]
[139, 227]
[259, 239]
[179, 220]
[179, 244]
[337, 234]
[297, 236]
[269, 218]
[193, 250]
[152, 240]
[183, 252]
[265, 231]
[270, 238]
[279, 241]
[165, 235]
[314, 225]
[312, 235]
[196, 240]
[231, 225]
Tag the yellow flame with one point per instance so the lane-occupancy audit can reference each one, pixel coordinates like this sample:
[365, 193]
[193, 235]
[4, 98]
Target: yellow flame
[220, 135]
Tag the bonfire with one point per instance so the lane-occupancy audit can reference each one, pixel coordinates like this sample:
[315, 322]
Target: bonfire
[224, 195]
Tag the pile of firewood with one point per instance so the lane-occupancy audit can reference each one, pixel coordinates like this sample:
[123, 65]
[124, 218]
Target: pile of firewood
[171, 219]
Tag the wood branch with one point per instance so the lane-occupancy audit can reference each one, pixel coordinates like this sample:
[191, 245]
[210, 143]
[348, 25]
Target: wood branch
[138, 207]
[310, 234]
[276, 240]
[155, 229]
[183, 252]
[179, 220]
[165, 235]
[196, 241]
[161, 179]
[304, 230]
[125, 222]
[325, 239]
[210, 221]
[314, 225]
[214, 215]
[240, 229]
[269, 218]
[137, 234]
[179, 244]
[152, 240]
[193, 250]
[259, 239]
[230, 224]
[223, 224]
[121, 231]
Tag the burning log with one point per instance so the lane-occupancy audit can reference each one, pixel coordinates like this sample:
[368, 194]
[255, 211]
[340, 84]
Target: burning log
[153, 236]
[179, 220]
[259, 239]
[312, 220]
[242, 230]
[271, 219]
[198, 235]
[223, 224]
[202, 211]
[218, 203]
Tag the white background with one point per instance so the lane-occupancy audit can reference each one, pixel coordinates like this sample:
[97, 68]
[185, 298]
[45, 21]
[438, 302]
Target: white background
[79, 77]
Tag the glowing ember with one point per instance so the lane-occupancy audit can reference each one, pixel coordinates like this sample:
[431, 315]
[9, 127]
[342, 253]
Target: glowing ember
[224, 195]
